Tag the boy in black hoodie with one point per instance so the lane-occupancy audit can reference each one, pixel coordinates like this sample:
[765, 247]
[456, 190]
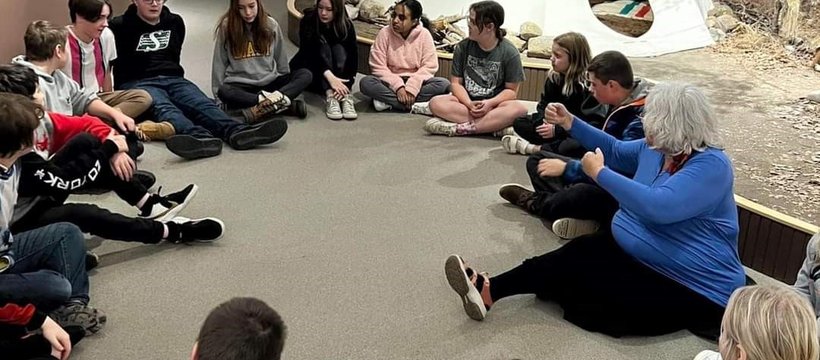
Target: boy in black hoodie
[149, 41]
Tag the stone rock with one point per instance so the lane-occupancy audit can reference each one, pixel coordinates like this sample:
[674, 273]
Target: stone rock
[530, 30]
[814, 96]
[717, 34]
[817, 67]
[352, 11]
[540, 47]
[373, 9]
[711, 22]
[727, 23]
[517, 42]
[720, 9]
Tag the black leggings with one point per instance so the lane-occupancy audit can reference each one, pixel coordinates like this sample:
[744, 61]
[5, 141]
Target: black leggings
[240, 96]
[525, 128]
[336, 56]
[603, 289]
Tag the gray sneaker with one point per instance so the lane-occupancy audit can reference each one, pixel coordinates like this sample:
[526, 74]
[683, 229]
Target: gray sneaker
[333, 109]
[348, 110]
[76, 314]
[440, 127]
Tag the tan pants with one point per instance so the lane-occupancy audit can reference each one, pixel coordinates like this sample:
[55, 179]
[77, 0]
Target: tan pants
[130, 102]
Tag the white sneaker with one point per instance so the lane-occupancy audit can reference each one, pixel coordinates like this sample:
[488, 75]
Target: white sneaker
[461, 284]
[437, 126]
[333, 110]
[422, 108]
[280, 101]
[348, 110]
[569, 228]
[504, 132]
[708, 355]
[380, 105]
[513, 144]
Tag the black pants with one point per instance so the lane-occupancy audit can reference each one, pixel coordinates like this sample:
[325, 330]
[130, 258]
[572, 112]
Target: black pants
[525, 127]
[92, 219]
[336, 56]
[603, 289]
[240, 96]
[554, 198]
[35, 347]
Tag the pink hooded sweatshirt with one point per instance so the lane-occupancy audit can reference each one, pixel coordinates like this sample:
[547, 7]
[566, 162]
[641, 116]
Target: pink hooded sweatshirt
[392, 57]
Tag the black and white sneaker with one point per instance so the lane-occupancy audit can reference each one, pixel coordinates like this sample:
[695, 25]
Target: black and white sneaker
[183, 230]
[298, 108]
[92, 260]
[267, 132]
[191, 147]
[165, 207]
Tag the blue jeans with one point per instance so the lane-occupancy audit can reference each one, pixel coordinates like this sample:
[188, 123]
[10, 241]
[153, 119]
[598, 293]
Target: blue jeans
[49, 268]
[185, 106]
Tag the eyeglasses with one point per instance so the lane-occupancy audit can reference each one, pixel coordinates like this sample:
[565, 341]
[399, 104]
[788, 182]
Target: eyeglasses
[152, 2]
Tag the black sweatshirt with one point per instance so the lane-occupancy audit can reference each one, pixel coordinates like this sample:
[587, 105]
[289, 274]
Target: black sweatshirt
[580, 103]
[145, 50]
[312, 36]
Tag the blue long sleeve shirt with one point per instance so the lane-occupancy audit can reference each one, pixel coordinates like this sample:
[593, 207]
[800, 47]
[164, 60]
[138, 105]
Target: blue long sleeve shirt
[682, 225]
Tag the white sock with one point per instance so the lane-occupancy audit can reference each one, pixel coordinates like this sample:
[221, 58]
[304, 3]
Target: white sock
[142, 201]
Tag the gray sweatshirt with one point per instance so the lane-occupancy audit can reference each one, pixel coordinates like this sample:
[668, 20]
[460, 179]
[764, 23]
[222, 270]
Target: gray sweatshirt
[62, 94]
[252, 68]
[808, 279]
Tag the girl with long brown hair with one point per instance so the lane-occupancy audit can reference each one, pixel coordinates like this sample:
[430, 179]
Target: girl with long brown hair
[250, 67]
[327, 47]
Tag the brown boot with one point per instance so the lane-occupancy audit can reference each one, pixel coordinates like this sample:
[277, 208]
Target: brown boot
[273, 104]
[159, 131]
[517, 195]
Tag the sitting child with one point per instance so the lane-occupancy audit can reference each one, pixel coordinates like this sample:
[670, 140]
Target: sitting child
[486, 74]
[765, 323]
[241, 329]
[808, 279]
[404, 61]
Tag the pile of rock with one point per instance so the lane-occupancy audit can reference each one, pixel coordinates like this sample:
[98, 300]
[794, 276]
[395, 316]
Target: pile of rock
[721, 21]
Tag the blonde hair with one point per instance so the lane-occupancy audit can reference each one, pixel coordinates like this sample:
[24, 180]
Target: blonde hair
[680, 119]
[579, 55]
[769, 323]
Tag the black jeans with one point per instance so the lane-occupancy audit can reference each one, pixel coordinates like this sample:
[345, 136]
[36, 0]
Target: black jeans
[240, 96]
[554, 198]
[603, 289]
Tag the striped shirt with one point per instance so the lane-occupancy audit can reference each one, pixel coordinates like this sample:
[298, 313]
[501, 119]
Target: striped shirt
[89, 62]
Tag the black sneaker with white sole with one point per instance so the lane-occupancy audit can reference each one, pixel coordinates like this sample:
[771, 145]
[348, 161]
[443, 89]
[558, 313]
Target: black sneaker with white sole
[191, 147]
[183, 230]
[92, 260]
[165, 207]
[264, 133]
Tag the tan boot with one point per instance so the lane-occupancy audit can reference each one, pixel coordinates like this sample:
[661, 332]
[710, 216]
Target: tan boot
[159, 131]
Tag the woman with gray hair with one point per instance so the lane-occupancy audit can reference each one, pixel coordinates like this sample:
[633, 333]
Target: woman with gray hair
[670, 261]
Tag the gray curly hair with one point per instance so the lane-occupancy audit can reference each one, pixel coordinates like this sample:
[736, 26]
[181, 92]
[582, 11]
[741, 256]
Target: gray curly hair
[679, 119]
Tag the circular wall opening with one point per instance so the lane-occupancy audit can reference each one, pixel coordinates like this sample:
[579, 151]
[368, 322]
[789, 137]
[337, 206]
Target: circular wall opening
[628, 17]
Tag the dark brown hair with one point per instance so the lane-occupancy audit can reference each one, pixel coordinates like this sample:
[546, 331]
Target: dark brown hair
[242, 329]
[340, 20]
[41, 38]
[19, 117]
[489, 12]
[87, 9]
[236, 33]
[612, 65]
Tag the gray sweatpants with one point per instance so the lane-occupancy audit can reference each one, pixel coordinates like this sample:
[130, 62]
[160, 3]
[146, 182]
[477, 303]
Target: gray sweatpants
[377, 89]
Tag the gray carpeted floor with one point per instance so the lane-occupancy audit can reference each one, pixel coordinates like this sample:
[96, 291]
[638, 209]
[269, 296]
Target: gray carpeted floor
[343, 227]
